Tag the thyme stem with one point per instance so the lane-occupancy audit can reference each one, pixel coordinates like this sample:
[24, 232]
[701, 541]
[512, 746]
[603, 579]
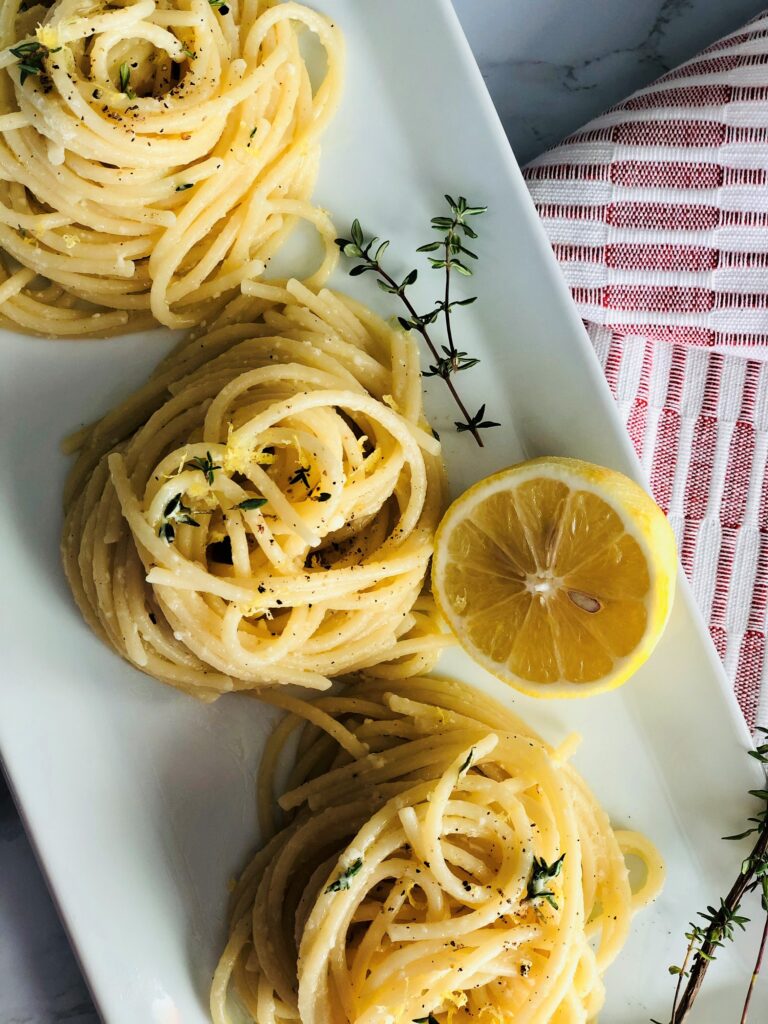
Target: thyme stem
[704, 955]
[433, 350]
[722, 922]
[447, 306]
[758, 965]
[453, 255]
[681, 975]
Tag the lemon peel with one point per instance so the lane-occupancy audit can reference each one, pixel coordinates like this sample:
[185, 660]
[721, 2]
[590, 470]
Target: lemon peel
[556, 575]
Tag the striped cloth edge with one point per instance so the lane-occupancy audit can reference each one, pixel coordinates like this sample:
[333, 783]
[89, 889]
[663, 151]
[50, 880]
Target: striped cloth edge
[658, 213]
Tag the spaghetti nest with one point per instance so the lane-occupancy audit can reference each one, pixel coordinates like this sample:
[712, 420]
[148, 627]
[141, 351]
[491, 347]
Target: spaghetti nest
[263, 510]
[153, 156]
[440, 862]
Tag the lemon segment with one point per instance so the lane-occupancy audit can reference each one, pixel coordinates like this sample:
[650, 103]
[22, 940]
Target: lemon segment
[556, 575]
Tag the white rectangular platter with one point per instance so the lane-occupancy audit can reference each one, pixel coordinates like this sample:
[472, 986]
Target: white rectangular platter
[139, 800]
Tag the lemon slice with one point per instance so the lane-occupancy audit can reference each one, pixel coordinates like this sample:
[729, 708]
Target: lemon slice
[556, 575]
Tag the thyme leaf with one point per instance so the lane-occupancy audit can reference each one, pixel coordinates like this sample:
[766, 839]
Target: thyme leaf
[175, 512]
[477, 422]
[464, 766]
[250, 504]
[205, 465]
[541, 875]
[300, 476]
[125, 80]
[30, 57]
[342, 882]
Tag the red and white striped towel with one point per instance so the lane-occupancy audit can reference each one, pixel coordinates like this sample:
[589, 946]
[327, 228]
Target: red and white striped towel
[658, 213]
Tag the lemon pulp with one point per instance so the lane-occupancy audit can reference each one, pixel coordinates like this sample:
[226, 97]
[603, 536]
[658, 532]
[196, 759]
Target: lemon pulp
[556, 574]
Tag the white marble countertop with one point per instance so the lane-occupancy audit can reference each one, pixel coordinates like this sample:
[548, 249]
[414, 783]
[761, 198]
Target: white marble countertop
[550, 65]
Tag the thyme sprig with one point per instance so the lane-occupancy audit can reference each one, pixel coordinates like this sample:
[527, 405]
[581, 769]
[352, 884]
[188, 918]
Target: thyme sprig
[175, 512]
[721, 923]
[205, 465]
[30, 57]
[301, 476]
[541, 875]
[477, 422]
[342, 882]
[454, 255]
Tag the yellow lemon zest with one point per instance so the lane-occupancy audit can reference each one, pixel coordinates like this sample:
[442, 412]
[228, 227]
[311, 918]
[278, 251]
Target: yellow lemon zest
[200, 490]
[490, 1014]
[458, 999]
[48, 36]
[255, 611]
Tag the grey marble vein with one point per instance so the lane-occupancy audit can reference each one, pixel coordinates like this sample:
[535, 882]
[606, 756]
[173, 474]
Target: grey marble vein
[550, 65]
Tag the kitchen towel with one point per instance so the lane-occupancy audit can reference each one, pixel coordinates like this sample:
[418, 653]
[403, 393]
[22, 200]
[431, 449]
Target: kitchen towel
[658, 213]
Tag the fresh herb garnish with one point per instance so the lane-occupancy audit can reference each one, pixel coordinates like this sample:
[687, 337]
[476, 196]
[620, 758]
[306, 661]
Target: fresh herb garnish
[454, 256]
[467, 762]
[477, 422]
[206, 465]
[301, 476]
[429, 1019]
[30, 58]
[450, 363]
[342, 882]
[322, 496]
[184, 187]
[720, 924]
[220, 6]
[176, 509]
[175, 512]
[125, 81]
[541, 875]
[251, 503]
[167, 532]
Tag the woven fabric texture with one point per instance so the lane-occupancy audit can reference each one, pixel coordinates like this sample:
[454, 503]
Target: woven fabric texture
[658, 213]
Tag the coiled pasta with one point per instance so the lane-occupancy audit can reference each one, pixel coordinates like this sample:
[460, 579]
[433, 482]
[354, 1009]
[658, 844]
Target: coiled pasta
[263, 510]
[438, 861]
[153, 156]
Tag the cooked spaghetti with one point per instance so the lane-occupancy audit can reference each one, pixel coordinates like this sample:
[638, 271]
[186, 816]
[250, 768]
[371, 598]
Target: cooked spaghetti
[438, 862]
[263, 510]
[153, 156]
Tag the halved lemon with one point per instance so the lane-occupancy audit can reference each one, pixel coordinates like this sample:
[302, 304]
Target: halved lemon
[556, 575]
